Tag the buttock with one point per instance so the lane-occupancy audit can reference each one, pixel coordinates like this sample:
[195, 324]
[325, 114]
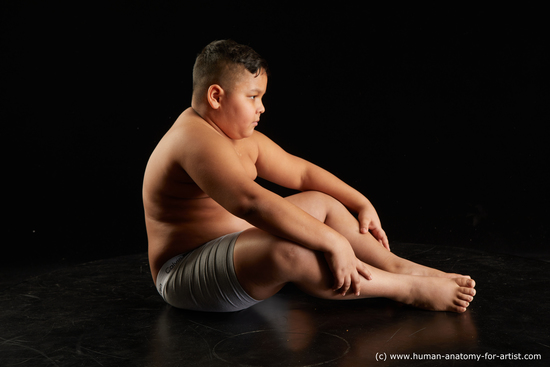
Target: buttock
[204, 279]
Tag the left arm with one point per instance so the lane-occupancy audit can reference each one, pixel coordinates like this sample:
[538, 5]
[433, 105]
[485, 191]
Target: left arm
[319, 179]
[276, 165]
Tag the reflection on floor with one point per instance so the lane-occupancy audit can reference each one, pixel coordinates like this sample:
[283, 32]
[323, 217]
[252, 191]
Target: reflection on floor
[108, 313]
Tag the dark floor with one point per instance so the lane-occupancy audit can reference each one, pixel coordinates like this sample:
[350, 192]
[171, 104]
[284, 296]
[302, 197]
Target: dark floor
[107, 313]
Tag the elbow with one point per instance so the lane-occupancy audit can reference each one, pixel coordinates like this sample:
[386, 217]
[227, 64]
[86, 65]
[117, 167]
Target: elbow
[250, 203]
[244, 206]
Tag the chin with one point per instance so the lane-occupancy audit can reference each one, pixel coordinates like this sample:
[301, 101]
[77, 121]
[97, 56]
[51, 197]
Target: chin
[241, 136]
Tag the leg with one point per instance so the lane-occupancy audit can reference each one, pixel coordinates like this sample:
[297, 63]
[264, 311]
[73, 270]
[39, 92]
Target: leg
[366, 247]
[265, 263]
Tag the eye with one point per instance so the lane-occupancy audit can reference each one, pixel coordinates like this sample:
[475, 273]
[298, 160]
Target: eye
[252, 97]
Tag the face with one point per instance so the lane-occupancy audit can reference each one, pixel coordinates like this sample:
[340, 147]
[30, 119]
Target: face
[241, 105]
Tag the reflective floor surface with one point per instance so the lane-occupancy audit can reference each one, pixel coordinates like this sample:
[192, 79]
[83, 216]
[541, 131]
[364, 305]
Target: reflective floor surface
[107, 313]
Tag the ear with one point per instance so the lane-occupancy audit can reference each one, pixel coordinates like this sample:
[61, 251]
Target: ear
[214, 96]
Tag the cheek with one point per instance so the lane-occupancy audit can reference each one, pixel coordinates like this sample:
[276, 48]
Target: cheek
[246, 109]
[234, 111]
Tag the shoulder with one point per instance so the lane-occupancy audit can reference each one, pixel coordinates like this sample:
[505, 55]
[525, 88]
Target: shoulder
[266, 146]
[261, 140]
[190, 126]
[259, 143]
[189, 140]
[190, 133]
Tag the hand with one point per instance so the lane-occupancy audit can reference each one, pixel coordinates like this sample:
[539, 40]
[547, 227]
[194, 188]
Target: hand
[346, 269]
[369, 221]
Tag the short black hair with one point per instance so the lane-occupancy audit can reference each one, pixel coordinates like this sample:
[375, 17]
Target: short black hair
[223, 57]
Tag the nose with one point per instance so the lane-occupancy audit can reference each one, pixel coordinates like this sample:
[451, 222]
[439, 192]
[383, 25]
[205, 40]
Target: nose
[261, 109]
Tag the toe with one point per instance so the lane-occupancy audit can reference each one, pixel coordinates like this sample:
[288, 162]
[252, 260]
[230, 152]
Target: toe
[467, 291]
[465, 282]
[461, 303]
[465, 297]
[459, 309]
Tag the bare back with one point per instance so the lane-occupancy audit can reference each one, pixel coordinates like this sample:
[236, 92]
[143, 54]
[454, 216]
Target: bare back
[179, 215]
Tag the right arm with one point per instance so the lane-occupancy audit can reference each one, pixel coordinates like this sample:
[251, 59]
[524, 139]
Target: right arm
[211, 161]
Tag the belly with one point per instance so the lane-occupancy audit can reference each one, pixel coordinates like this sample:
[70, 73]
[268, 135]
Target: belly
[171, 238]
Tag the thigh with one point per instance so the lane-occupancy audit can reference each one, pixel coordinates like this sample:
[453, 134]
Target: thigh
[204, 279]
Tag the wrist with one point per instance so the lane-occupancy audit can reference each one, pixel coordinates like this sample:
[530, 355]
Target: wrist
[336, 243]
[363, 205]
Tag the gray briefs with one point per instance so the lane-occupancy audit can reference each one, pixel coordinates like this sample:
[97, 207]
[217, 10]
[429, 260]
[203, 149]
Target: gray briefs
[204, 279]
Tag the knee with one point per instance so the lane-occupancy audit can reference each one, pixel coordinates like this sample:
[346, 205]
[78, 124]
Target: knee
[328, 202]
[284, 254]
[319, 204]
[288, 257]
[319, 197]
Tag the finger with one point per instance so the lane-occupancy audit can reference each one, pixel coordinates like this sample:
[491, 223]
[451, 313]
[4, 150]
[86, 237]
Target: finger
[347, 285]
[385, 243]
[365, 224]
[384, 238]
[363, 269]
[356, 285]
[381, 236]
[338, 283]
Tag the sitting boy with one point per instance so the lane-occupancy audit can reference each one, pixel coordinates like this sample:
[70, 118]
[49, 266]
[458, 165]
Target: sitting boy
[218, 241]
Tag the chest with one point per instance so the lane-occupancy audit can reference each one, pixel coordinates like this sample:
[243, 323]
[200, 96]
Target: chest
[248, 155]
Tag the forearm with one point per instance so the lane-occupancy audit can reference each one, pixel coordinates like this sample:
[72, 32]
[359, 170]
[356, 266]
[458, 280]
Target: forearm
[317, 179]
[280, 217]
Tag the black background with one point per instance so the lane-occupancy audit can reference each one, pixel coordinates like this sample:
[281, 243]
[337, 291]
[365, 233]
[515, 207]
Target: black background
[439, 116]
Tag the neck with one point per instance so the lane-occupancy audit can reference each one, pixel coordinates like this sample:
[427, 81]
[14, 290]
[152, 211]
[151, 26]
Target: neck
[206, 116]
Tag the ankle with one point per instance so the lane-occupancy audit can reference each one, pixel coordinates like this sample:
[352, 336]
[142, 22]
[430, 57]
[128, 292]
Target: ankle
[406, 294]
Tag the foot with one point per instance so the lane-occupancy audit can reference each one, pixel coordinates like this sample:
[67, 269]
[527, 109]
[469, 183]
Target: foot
[440, 294]
[403, 266]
